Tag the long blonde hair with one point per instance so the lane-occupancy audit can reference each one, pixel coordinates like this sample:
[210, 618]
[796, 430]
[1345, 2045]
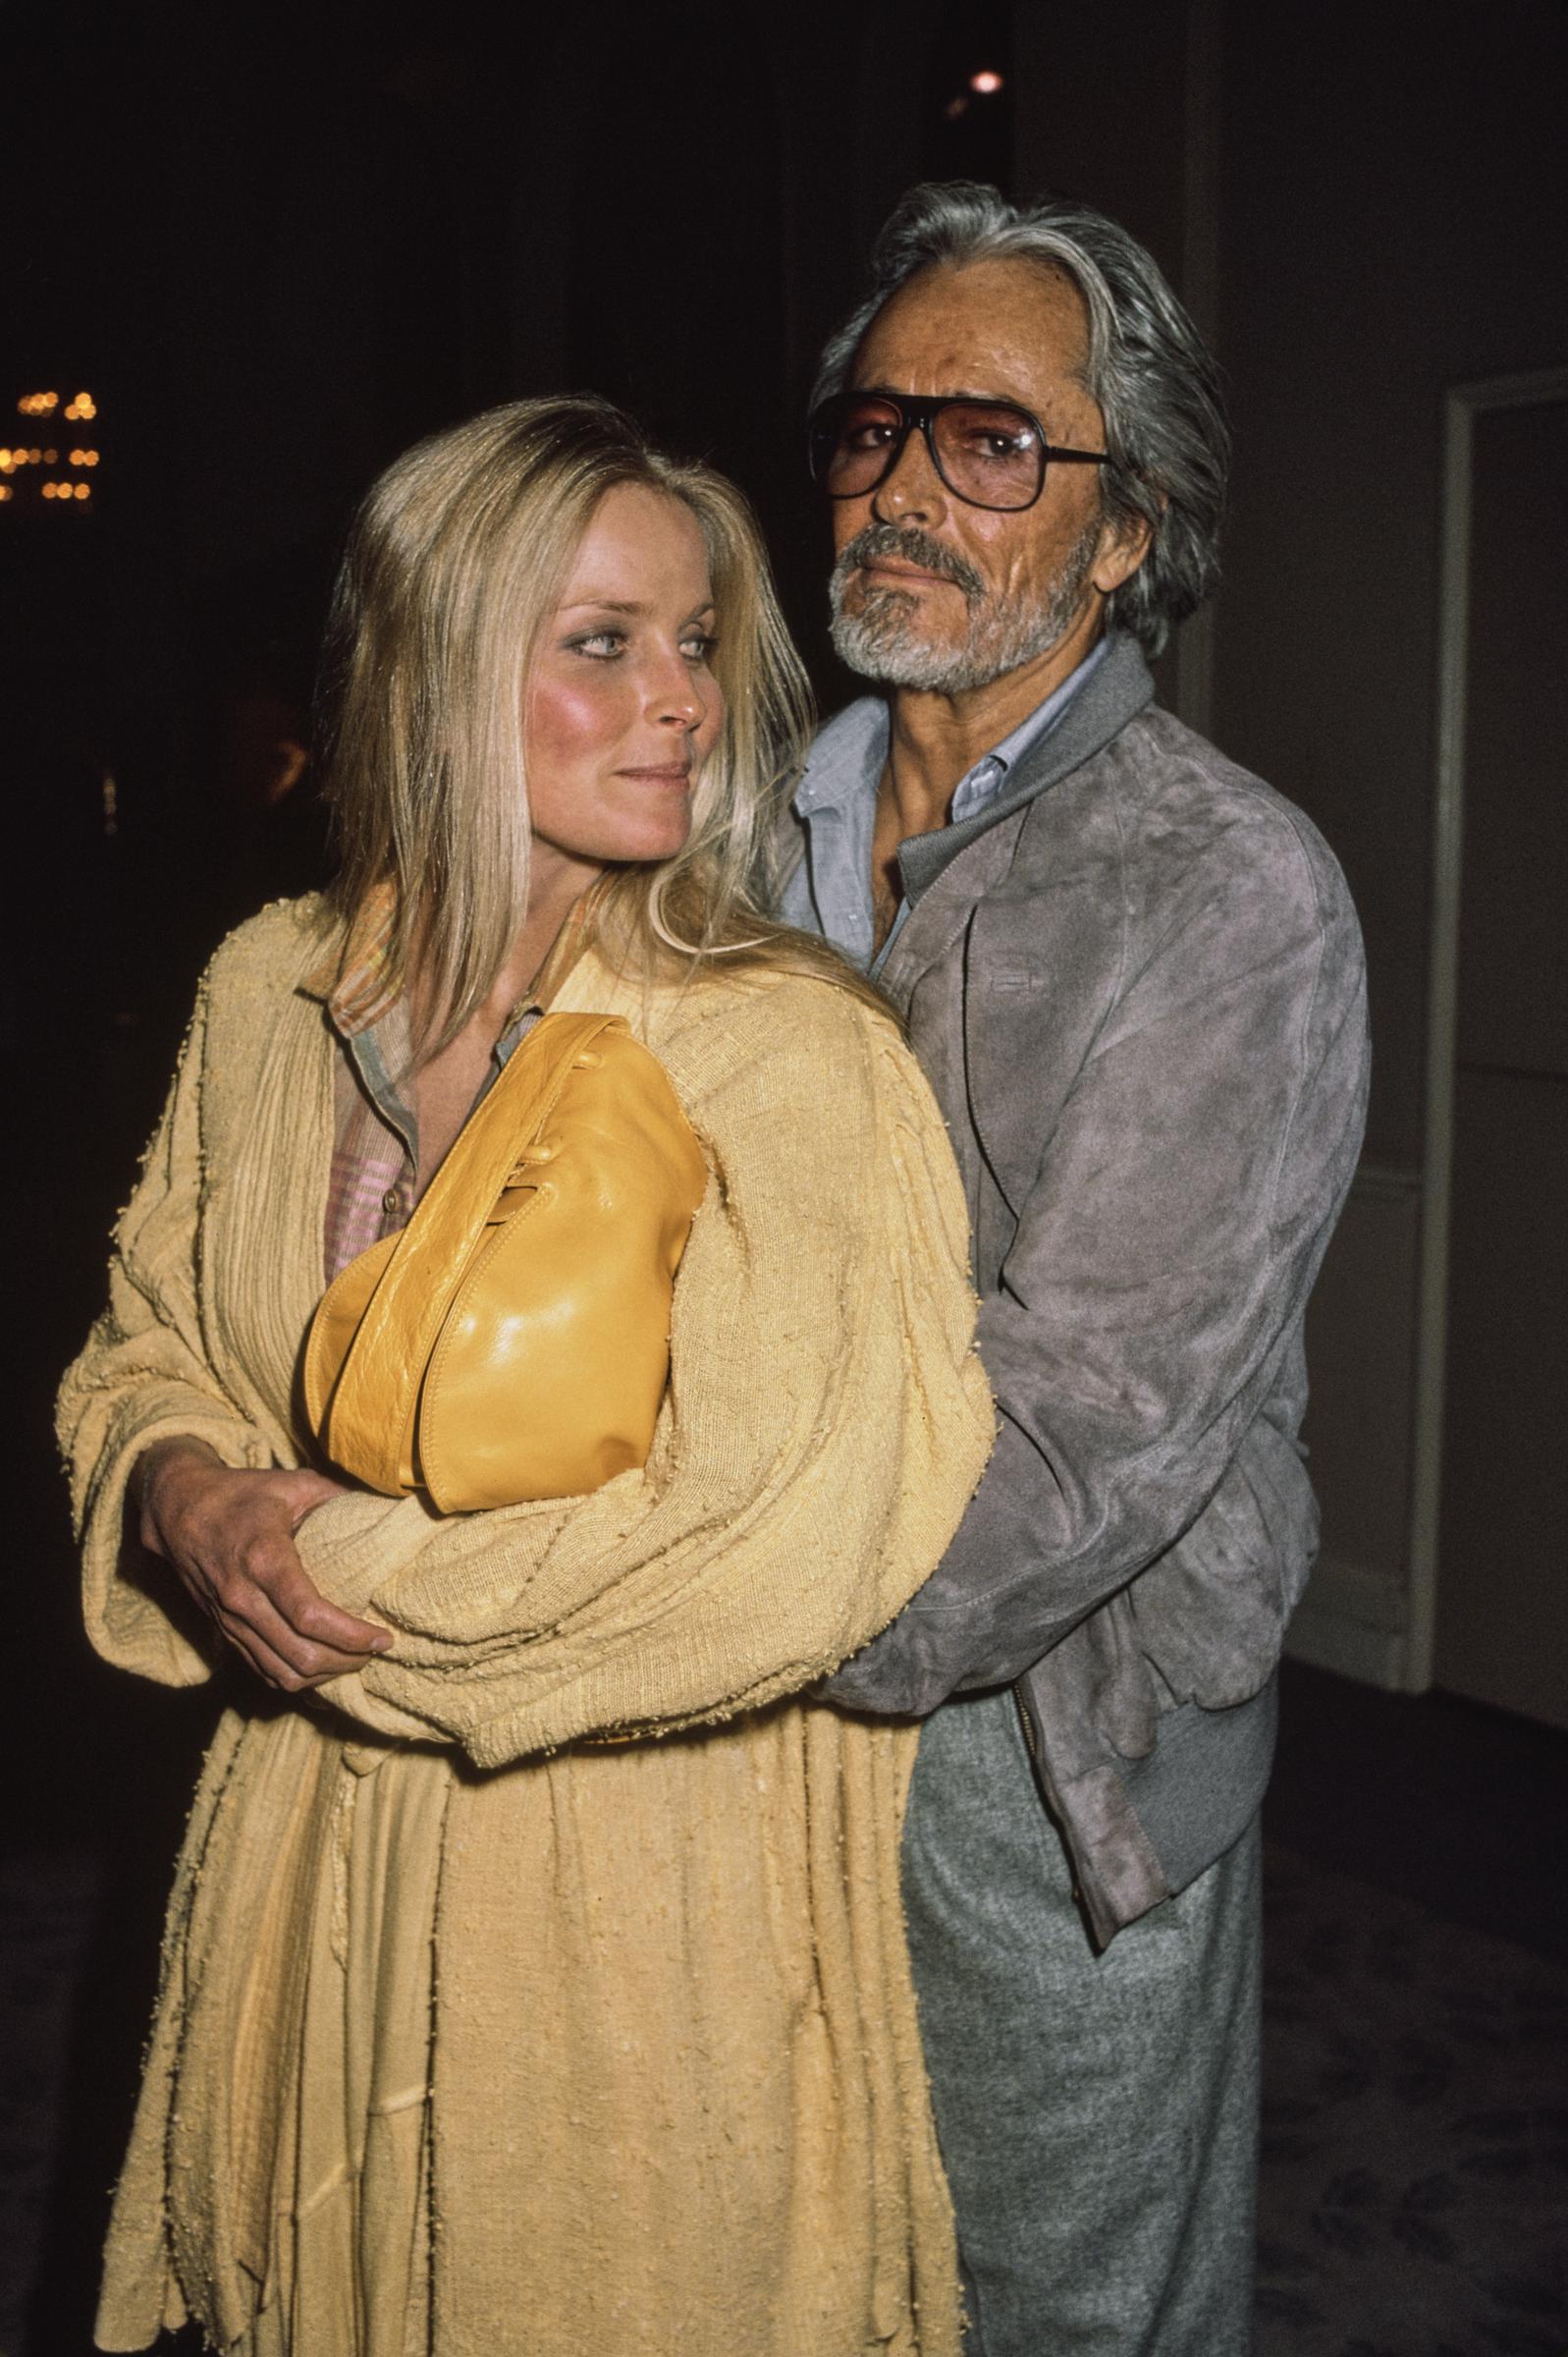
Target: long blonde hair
[454, 565]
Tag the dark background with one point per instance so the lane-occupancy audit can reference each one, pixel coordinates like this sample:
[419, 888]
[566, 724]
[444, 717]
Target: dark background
[276, 250]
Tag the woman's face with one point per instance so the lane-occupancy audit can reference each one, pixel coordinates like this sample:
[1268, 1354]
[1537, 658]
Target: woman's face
[622, 707]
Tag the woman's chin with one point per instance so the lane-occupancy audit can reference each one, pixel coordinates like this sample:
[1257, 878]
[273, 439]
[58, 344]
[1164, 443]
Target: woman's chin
[650, 847]
[645, 845]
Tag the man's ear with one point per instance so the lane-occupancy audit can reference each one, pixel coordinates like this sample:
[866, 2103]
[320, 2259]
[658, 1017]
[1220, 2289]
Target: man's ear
[1123, 545]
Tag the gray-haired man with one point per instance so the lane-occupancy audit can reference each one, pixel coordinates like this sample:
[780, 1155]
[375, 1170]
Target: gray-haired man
[1135, 979]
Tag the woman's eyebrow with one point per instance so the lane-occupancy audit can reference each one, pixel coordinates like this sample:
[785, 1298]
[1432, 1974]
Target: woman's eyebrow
[625, 605]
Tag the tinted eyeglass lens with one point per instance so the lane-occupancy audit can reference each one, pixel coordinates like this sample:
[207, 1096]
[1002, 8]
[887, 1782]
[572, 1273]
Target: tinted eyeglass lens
[851, 452]
[991, 456]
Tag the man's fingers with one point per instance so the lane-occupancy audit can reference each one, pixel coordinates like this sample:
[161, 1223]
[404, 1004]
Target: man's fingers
[271, 1562]
[242, 1634]
[310, 1489]
[293, 1661]
[260, 1656]
[228, 1535]
[264, 1590]
[306, 1610]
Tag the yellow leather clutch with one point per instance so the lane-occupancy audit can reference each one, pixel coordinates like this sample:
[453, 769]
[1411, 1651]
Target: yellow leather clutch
[513, 1341]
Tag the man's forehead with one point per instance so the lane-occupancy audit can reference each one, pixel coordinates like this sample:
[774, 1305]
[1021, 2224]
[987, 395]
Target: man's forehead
[1002, 326]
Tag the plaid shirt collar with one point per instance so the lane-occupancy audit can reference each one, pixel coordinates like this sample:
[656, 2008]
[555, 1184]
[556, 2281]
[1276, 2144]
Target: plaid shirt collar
[360, 983]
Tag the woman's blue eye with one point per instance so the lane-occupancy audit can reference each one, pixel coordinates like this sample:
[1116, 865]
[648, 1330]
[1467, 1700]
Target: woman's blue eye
[608, 646]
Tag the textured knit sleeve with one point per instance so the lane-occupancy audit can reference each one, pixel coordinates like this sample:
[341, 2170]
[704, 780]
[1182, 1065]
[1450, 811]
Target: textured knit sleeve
[825, 1423]
[142, 1377]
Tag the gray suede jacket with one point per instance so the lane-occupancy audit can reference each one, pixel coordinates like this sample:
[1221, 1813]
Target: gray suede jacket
[1136, 983]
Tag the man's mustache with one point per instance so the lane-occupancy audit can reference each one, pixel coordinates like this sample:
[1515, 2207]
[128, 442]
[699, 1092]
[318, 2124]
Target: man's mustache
[911, 546]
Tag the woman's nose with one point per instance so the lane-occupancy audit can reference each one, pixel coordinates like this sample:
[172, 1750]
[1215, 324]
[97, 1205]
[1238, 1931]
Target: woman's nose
[674, 697]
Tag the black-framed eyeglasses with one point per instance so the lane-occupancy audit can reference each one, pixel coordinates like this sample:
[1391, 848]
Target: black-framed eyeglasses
[989, 454]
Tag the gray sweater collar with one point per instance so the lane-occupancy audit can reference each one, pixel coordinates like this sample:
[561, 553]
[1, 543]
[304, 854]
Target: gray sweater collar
[1118, 689]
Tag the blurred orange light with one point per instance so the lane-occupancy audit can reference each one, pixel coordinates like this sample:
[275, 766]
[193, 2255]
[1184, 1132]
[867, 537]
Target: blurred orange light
[35, 455]
[89, 458]
[5, 493]
[986, 82]
[84, 490]
[51, 457]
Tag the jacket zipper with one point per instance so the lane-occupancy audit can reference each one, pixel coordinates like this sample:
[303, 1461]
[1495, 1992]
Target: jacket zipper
[1027, 1721]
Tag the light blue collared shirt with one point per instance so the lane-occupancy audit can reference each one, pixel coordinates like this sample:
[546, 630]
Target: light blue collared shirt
[836, 803]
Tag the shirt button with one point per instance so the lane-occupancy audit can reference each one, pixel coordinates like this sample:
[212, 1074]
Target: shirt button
[390, 1200]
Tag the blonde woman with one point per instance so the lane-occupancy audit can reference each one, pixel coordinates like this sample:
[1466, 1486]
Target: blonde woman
[534, 1978]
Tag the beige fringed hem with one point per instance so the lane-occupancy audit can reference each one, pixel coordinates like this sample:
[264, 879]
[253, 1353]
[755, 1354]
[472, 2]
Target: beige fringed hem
[683, 2107]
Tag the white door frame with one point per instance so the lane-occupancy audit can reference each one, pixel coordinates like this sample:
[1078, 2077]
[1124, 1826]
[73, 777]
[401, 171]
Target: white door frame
[1463, 406]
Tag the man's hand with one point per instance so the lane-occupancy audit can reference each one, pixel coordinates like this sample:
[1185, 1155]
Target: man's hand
[230, 1538]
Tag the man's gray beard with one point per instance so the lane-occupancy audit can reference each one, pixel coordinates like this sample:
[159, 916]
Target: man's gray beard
[883, 640]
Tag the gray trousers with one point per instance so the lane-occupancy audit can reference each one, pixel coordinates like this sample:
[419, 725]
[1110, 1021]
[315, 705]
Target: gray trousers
[1098, 2115]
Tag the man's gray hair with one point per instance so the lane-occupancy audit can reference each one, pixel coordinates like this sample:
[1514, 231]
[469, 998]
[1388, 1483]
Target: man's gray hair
[1156, 384]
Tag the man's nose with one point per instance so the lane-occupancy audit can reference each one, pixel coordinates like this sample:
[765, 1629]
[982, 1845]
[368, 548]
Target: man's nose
[912, 491]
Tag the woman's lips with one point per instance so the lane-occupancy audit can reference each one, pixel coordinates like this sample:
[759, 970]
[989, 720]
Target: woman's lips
[670, 775]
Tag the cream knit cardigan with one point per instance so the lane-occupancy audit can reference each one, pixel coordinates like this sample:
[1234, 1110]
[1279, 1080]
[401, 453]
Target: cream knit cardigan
[470, 2038]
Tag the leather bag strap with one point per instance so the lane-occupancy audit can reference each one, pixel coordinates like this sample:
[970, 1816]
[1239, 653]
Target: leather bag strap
[378, 1389]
